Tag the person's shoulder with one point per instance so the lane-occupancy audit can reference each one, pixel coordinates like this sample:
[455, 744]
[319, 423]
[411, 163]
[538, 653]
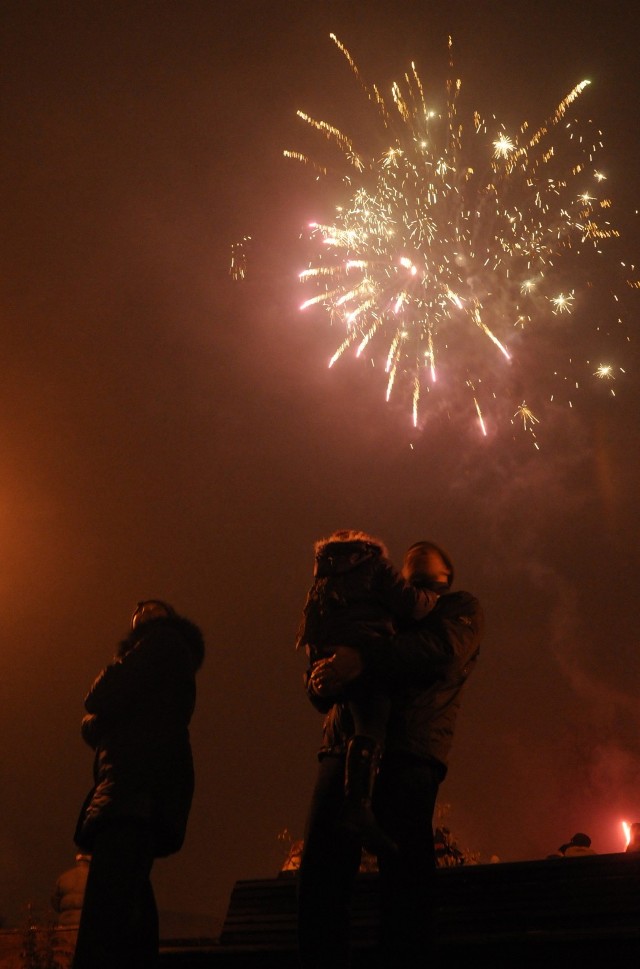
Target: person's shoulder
[461, 606]
[193, 637]
[459, 601]
[173, 636]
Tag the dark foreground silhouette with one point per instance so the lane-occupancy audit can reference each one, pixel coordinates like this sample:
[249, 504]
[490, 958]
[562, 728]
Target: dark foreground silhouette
[540, 913]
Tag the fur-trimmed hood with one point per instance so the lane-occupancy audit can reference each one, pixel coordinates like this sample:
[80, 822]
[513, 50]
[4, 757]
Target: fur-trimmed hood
[345, 550]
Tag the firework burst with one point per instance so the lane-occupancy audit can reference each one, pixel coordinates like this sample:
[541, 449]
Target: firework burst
[445, 251]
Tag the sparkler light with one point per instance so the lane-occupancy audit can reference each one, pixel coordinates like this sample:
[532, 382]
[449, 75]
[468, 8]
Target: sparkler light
[439, 267]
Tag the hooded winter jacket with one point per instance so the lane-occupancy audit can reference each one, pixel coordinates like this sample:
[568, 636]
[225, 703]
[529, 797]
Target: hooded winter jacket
[356, 595]
[138, 713]
[424, 669]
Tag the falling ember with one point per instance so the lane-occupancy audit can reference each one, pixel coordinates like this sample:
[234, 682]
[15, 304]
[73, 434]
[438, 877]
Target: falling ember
[430, 356]
[484, 430]
[492, 337]
[440, 240]
[310, 302]
[238, 267]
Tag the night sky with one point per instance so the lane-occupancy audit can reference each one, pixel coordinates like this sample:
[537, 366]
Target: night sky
[168, 432]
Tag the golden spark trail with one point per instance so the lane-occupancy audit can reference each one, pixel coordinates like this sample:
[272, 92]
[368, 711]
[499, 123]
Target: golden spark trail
[480, 418]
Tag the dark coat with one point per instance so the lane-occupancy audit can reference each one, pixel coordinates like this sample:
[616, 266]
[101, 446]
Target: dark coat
[138, 714]
[424, 669]
[356, 595]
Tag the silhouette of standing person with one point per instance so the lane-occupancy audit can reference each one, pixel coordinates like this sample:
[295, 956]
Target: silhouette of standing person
[424, 666]
[357, 595]
[138, 713]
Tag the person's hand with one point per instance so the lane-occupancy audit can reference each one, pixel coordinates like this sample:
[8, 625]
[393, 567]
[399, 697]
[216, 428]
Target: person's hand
[330, 676]
[323, 681]
[347, 664]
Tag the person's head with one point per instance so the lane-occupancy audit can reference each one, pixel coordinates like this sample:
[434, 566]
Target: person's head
[581, 840]
[150, 609]
[427, 565]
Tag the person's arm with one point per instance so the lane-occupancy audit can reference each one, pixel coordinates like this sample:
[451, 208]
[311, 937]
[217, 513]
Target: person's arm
[449, 637]
[325, 680]
[426, 651]
[90, 730]
[404, 600]
[320, 694]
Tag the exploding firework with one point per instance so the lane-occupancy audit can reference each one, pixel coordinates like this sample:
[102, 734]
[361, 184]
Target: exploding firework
[446, 251]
